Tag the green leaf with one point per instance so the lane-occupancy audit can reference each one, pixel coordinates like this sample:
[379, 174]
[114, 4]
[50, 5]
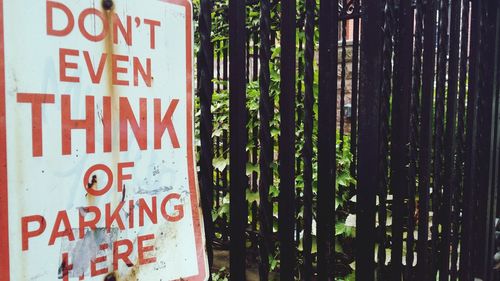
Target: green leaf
[252, 196]
[337, 202]
[223, 210]
[220, 163]
[251, 168]
[339, 228]
[314, 245]
[274, 191]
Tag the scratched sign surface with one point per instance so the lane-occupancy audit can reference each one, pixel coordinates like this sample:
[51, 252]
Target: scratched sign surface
[97, 160]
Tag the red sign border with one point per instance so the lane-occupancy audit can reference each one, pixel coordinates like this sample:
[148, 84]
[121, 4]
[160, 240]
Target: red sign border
[193, 189]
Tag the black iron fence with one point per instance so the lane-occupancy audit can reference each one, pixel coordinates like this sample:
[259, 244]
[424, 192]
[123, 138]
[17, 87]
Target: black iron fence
[298, 98]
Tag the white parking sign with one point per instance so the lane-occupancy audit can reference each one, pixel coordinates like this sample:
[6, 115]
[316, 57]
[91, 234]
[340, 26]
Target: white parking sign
[97, 160]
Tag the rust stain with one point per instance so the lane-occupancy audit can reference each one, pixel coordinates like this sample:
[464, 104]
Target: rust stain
[110, 277]
[132, 275]
[133, 272]
[108, 9]
[123, 193]
[108, 43]
[91, 185]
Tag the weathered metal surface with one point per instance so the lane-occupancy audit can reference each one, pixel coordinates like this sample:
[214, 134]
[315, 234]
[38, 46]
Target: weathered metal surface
[97, 142]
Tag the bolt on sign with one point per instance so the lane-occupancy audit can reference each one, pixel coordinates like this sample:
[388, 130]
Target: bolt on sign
[96, 142]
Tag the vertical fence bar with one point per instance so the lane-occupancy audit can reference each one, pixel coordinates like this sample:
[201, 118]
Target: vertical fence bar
[266, 148]
[385, 94]
[495, 207]
[206, 66]
[460, 201]
[329, 207]
[307, 152]
[248, 128]
[479, 221]
[326, 134]
[425, 138]
[491, 44]
[238, 137]
[400, 132]
[439, 118]
[286, 210]
[449, 149]
[369, 100]
[487, 169]
[467, 253]
[414, 131]
[494, 25]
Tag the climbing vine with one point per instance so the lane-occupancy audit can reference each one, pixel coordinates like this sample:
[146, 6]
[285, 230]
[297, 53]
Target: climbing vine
[344, 200]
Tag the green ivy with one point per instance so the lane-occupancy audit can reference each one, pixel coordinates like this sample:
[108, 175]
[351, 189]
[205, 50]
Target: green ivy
[344, 228]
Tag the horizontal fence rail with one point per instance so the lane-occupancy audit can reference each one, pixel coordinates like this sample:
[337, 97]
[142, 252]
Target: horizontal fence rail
[349, 139]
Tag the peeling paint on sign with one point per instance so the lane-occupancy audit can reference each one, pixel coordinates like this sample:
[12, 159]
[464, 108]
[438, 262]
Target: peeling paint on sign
[97, 159]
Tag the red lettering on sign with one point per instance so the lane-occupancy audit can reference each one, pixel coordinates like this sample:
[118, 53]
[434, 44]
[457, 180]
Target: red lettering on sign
[98, 259]
[88, 179]
[26, 233]
[151, 212]
[127, 117]
[36, 101]
[152, 35]
[122, 250]
[126, 33]
[95, 75]
[61, 219]
[118, 26]
[64, 65]
[121, 176]
[178, 208]
[96, 14]
[90, 183]
[118, 69]
[131, 207]
[35, 225]
[66, 266]
[138, 123]
[124, 256]
[92, 223]
[50, 21]
[106, 123]
[165, 123]
[145, 74]
[114, 216]
[69, 124]
[144, 249]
